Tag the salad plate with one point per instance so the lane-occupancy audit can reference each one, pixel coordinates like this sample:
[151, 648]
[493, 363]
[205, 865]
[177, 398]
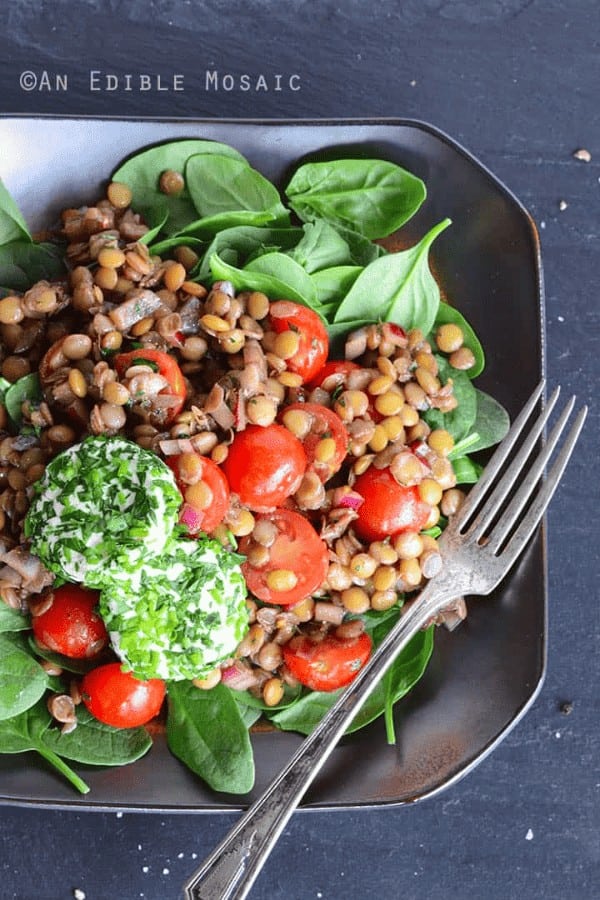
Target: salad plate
[483, 676]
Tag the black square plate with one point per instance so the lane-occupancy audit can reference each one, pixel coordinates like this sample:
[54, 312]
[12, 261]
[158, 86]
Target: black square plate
[483, 676]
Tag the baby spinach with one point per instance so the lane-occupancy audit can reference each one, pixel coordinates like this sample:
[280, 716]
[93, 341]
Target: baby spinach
[12, 619]
[221, 756]
[69, 664]
[246, 242]
[13, 226]
[491, 422]
[23, 262]
[25, 388]
[221, 185]
[321, 247]
[142, 171]
[308, 711]
[332, 285]
[26, 731]
[96, 744]
[373, 197]
[459, 422]
[466, 470]
[399, 286]
[22, 679]
[267, 274]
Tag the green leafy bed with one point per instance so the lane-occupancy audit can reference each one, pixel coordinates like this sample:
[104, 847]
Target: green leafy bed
[318, 248]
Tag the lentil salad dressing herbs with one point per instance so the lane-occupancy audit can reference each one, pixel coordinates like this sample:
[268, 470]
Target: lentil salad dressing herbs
[191, 316]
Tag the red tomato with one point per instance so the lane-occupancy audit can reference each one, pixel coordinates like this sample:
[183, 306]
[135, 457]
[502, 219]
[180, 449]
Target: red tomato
[297, 548]
[325, 424]
[166, 366]
[119, 698]
[389, 508]
[204, 489]
[71, 625]
[264, 466]
[336, 369]
[328, 664]
[314, 342]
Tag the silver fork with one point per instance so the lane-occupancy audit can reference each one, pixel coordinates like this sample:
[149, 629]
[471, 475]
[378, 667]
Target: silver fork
[479, 547]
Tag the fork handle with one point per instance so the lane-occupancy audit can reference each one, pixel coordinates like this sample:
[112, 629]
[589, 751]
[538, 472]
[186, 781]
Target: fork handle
[229, 872]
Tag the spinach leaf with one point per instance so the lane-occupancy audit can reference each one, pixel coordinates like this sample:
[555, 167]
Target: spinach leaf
[371, 196]
[12, 620]
[446, 314]
[141, 173]
[208, 226]
[333, 284]
[26, 732]
[4, 386]
[69, 664]
[269, 282]
[320, 248]
[96, 744]
[13, 226]
[250, 714]
[362, 250]
[247, 699]
[220, 184]
[179, 240]
[466, 470]
[491, 421]
[398, 288]
[308, 711]
[22, 263]
[22, 679]
[286, 271]
[460, 422]
[246, 241]
[403, 675]
[221, 756]
[25, 388]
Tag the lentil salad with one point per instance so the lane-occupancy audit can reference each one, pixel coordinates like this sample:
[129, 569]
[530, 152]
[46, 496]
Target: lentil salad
[206, 376]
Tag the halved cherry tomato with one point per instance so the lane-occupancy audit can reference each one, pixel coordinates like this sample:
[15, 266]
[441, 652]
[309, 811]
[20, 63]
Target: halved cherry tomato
[314, 341]
[119, 698]
[205, 491]
[328, 664]
[265, 464]
[336, 369]
[297, 549]
[166, 366]
[325, 424]
[71, 625]
[389, 508]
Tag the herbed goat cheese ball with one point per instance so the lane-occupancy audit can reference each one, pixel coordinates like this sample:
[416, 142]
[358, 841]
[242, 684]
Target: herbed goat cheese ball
[102, 506]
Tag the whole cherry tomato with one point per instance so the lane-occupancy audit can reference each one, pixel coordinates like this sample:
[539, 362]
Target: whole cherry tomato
[389, 508]
[119, 698]
[313, 344]
[325, 424]
[297, 549]
[265, 465]
[71, 625]
[327, 664]
[205, 491]
[166, 365]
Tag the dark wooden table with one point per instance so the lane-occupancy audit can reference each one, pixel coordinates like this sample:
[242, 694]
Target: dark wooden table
[516, 81]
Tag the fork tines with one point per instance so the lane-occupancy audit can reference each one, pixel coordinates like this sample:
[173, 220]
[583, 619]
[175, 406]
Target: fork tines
[491, 513]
